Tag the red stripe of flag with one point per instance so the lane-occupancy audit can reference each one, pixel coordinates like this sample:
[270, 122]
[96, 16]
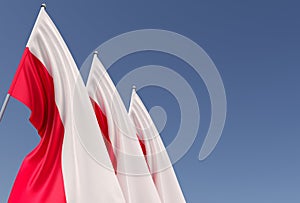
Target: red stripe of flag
[40, 177]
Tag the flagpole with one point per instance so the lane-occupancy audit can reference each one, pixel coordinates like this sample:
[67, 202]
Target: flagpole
[4, 106]
[8, 95]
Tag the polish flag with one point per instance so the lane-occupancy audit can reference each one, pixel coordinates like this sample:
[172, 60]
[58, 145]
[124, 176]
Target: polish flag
[121, 139]
[71, 163]
[156, 155]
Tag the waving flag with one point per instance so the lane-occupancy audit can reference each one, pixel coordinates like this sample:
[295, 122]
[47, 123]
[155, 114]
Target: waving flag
[122, 142]
[71, 163]
[156, 155]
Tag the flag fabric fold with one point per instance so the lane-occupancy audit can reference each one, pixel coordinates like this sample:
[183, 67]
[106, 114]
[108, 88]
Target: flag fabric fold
[156, 155]
[121, 139]
[71, 163]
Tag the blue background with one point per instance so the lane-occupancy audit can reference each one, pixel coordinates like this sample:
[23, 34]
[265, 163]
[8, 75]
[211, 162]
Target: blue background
[255, 46]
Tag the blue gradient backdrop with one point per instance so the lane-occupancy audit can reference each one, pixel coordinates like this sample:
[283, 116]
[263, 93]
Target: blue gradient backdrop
[256, 48]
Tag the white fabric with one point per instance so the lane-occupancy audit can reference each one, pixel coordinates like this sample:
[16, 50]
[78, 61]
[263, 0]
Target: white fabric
[132, 171]
[87, 171]
[157, 157]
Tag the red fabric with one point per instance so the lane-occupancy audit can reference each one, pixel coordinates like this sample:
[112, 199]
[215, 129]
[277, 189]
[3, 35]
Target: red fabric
[40, 177]
[142, 146]
[102, 122]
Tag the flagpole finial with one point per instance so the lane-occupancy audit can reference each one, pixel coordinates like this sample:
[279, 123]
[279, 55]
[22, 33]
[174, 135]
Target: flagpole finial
[44, 5]
[134, 87]
[96, 53]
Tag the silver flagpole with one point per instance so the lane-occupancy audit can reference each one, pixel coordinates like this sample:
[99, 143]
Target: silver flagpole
[8, 95]
[4, 106]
